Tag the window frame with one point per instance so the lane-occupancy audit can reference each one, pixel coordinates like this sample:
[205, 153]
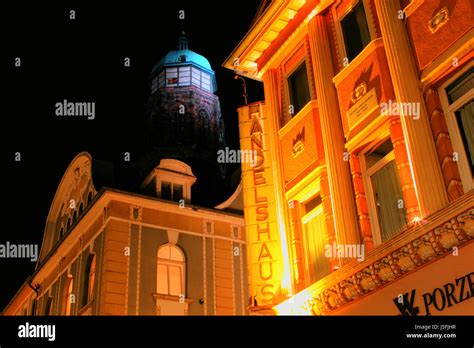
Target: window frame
[449, 110]
[340, 35]
[369, 191]
[287, 72]
[305, 218]
[168, 262]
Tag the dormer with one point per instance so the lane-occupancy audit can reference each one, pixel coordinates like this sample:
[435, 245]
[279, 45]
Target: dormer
[170, 180]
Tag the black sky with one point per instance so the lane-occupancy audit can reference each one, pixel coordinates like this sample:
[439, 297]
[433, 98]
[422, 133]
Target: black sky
[82, 60]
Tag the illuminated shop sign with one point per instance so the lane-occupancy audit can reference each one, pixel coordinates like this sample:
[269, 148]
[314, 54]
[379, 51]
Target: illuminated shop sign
[260, 213]
[438, 299]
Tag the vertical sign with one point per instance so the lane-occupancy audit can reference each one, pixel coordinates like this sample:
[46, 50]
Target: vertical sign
[263, 238]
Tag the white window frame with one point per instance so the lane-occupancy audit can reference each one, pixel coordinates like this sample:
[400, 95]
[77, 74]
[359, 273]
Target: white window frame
[369, 192]
[453, 129]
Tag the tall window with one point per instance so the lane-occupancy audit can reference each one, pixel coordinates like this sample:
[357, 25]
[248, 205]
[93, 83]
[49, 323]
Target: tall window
[355, 31]
[315, 240]
[89, 279]
[170, 271]
[460, 120]
[299, 88]
[68, 295]
[387, 213]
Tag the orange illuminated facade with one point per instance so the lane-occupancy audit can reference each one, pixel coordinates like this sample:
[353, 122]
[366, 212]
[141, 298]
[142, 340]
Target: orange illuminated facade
[360, 201]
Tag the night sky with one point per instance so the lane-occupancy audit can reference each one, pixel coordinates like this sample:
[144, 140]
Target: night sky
[82, 60]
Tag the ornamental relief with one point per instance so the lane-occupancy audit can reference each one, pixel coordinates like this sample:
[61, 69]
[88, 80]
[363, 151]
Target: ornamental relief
[437, 242]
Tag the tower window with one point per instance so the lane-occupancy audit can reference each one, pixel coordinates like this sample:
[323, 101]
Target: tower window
[166, 190]
[355, 31]
[177, 192]
[171, 191]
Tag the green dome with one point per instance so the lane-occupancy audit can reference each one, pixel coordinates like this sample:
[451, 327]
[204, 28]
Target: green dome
[184, 57]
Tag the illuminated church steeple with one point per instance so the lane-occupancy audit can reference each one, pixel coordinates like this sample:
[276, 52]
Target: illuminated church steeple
[184, 114]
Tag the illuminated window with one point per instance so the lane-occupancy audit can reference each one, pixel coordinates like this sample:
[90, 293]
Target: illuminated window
[299, 88]
[68, 296]
[355, 31]
[459, 97]
[184, 76]
[171, 77]
[315, 240]
[89, 279]
[387, 208]
[170, 271]
[201, 79]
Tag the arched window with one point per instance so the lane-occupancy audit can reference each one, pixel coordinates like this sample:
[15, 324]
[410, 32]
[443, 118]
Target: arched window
[89, 280]
[89, 198]
[68, 296]
[170, 271]
[81, 208]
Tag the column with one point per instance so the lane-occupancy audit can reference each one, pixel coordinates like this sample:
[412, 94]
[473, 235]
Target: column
[420, 146]
[342, 197]
[403, 166]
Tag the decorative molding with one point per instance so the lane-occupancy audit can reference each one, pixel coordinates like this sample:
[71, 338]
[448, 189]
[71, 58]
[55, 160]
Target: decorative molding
[136, 213]
[298, 144]
[439, 19]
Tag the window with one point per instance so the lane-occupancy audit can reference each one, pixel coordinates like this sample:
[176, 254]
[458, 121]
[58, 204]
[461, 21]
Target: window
[177, 192]
[355, 31]
[201, 79]
[154, 85]
[185, 76]
[161, 79]
[48, 308]
[298, 88]
[171, 191]
[68, 296]
[459, 102]
[89, 279]
[166, 190]
[387, 209]
[315, 240]
[170, 271]
[171, 77]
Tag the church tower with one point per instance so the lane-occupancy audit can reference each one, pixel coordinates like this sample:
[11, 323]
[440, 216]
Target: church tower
[184, 116]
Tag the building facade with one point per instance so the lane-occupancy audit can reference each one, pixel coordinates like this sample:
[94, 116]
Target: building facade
[361, 198]
[110, 251]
